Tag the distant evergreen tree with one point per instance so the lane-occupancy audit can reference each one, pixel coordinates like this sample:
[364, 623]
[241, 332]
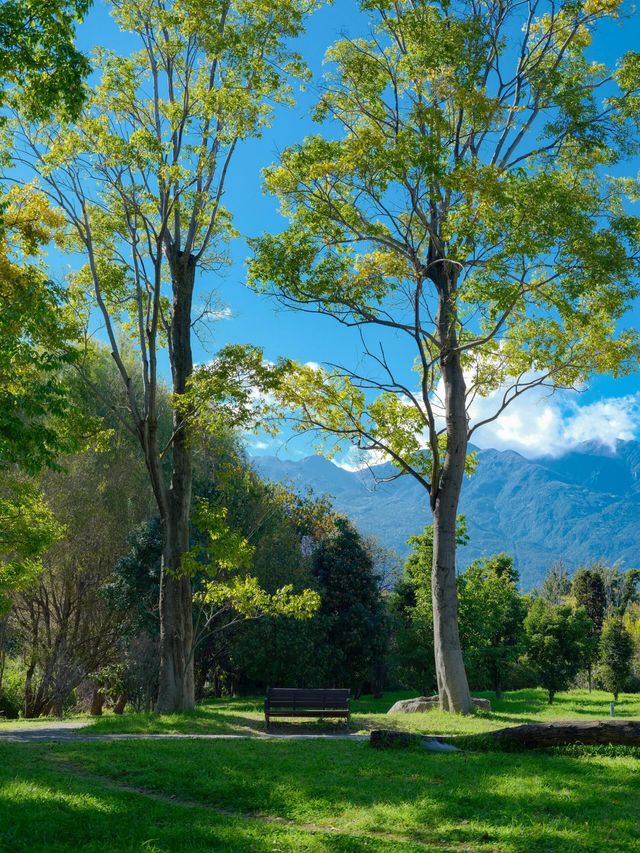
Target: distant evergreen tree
[589, 592]
[351, 619]
[616, 653]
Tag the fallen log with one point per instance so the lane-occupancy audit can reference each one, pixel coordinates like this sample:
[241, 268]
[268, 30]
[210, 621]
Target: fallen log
[531, 735]
[564, 732]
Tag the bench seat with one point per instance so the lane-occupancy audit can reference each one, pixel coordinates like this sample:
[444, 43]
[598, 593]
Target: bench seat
[306, 703]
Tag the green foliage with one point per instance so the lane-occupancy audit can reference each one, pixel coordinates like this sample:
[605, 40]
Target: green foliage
[557, 643]
[28, 528]
[37, 339]
[445, 185]
[589, 592]
[352, 634]
[134, 586]
[221, 558]
[616, 652]
[491, 617]
[556, 585]
[38, 56]
[234, 391]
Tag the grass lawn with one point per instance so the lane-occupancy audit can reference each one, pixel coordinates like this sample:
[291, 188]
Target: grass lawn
[247, 715]
[274, 795]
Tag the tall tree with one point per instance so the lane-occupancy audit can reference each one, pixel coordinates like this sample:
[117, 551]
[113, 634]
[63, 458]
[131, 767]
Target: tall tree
[36, 338]
[351, 615]
[141, 179]
[556, 584]
[40, 64]
[457, 215]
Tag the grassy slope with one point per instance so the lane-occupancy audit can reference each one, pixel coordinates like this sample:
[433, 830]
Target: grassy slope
[322, 795]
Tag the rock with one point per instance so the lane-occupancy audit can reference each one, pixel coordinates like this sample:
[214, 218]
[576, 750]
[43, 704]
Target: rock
[420, 703]
[429, 703]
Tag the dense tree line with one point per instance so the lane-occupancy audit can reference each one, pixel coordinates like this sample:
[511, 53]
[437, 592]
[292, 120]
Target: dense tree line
[570, 629]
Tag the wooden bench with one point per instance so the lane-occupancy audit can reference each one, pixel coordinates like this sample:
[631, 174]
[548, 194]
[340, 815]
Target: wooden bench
[291, 702]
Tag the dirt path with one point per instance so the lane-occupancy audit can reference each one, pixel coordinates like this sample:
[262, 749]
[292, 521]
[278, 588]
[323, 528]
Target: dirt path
[72, 731]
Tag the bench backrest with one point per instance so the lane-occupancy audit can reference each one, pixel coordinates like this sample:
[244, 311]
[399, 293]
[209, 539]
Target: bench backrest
[311, 700]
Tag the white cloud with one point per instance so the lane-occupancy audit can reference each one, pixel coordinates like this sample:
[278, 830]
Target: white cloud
[537, 424]
[357, 460]
[224, 313]
[540, 424]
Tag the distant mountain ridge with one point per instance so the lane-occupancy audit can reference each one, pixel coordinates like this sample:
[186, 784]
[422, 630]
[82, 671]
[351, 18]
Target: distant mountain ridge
[578, 508]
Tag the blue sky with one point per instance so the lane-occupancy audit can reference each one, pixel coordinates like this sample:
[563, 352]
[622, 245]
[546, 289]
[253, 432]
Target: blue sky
[607, 409]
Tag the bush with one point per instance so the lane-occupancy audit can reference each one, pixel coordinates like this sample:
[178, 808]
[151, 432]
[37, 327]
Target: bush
[12, 691]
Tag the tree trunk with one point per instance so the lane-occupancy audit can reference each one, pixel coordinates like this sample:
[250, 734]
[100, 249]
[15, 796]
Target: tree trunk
[622, 732]
[120, 704]
[97, 702]
[177, 687]
[453, 687]
[29, 708]
[536, 736]
[378, 679]
[3, 650]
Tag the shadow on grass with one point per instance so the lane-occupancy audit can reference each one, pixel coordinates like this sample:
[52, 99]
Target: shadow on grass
[47, 809]
[503, 801]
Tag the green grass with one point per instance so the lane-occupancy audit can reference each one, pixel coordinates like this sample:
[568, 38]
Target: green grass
[118, 796]
[274, 795]
[247, 716]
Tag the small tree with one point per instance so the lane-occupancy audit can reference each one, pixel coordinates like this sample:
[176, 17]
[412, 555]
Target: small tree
[492, 613]
[557, 640]
[616, 653]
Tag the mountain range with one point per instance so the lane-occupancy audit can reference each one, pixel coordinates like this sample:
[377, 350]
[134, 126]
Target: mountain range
[580, 507]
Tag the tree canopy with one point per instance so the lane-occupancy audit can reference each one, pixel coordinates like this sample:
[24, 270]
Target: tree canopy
[38, 54]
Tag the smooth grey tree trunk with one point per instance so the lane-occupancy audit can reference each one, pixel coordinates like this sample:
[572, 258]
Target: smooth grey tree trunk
[453, 687]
